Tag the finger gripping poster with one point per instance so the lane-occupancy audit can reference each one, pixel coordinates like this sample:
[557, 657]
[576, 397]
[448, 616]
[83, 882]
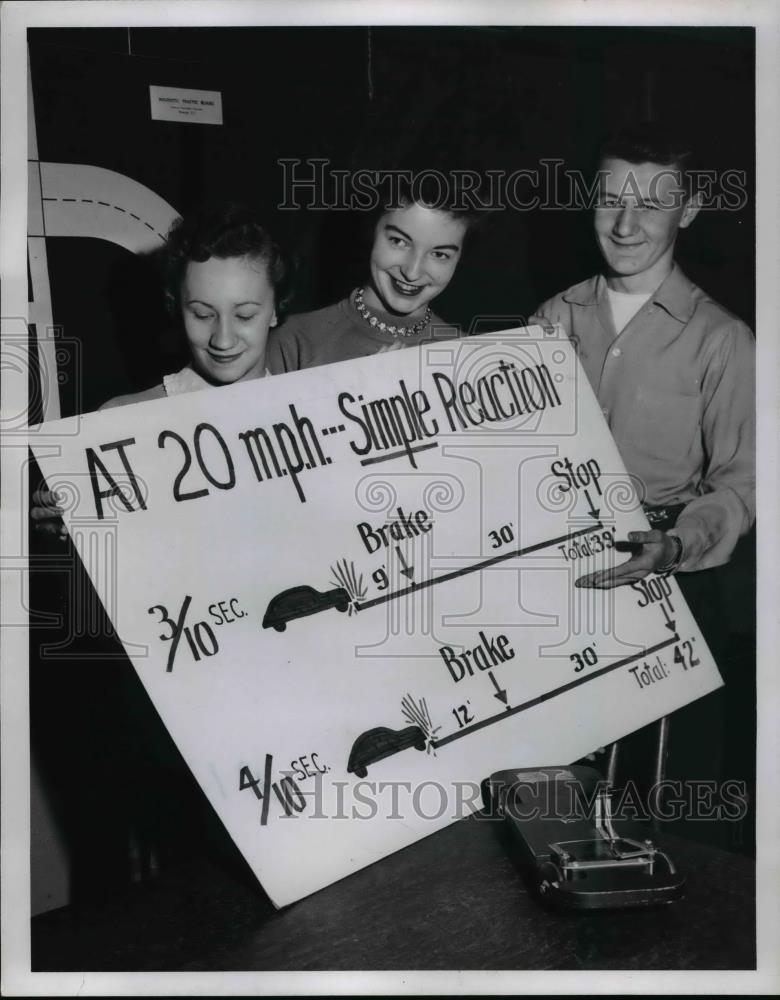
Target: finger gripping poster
[350, 591]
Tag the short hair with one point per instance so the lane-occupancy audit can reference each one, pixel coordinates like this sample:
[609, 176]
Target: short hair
[223, 230]
[652, 142]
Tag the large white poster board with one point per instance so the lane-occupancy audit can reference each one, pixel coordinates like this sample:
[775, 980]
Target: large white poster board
[349, 591]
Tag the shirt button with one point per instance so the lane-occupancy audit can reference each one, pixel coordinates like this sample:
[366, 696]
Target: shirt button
[605, 411]
[616, 352]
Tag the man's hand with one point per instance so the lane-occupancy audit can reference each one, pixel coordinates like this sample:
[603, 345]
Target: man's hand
[46, 514]
[657, 551]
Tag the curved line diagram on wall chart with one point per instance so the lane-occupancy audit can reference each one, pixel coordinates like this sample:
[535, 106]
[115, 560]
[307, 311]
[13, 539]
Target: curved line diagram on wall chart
[82, 200]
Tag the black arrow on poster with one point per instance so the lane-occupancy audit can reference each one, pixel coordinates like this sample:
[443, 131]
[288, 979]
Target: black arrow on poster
[500, 692]
[406, 569]
[593, 511]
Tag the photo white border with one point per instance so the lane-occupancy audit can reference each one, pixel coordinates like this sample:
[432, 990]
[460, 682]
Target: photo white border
[17, 16]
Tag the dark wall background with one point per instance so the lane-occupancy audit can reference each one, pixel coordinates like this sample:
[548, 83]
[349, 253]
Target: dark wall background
[500, 98]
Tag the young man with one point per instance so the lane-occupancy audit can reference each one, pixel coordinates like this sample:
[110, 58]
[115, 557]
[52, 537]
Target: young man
[672, 369]
[674, 374]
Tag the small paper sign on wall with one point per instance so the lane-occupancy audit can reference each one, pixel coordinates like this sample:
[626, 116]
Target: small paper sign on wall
[174, 104]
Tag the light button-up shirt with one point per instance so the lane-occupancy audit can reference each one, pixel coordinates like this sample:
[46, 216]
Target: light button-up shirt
[677, 387]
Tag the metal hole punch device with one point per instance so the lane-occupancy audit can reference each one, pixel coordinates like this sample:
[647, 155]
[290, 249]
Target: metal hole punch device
[564, 837]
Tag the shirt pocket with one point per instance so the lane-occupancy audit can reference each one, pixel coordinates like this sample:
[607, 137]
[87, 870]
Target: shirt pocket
[665, 422]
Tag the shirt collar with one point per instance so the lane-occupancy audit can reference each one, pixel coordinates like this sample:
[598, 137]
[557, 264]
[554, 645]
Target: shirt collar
[675, 294]
[587, 293]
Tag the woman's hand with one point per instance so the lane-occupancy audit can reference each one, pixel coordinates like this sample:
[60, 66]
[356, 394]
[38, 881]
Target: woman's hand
[657, 552]
[46, 514]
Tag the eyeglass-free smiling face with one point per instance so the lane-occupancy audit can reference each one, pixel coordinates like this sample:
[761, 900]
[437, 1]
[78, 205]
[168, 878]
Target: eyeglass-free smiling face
[641, 208]
[416, 250]
[228, 307]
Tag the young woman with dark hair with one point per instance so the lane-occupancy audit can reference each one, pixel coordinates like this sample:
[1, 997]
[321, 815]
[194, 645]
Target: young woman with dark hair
[417, 245]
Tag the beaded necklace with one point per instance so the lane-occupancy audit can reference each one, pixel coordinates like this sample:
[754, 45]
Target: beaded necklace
[380, 324]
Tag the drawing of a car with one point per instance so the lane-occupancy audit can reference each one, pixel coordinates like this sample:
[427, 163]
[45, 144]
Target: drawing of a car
[376, 744]
[297, 602]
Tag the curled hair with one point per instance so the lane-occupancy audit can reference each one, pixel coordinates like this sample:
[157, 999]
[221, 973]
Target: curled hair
[443, 190]
[223, 231]
[454, 192]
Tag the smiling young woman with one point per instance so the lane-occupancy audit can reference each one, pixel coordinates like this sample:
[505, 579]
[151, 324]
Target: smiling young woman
[417, 245]
[227, 280]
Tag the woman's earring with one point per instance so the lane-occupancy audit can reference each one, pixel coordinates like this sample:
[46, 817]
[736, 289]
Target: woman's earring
[274, 320]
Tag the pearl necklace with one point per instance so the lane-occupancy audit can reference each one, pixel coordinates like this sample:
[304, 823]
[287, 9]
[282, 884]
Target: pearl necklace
[394, 331]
